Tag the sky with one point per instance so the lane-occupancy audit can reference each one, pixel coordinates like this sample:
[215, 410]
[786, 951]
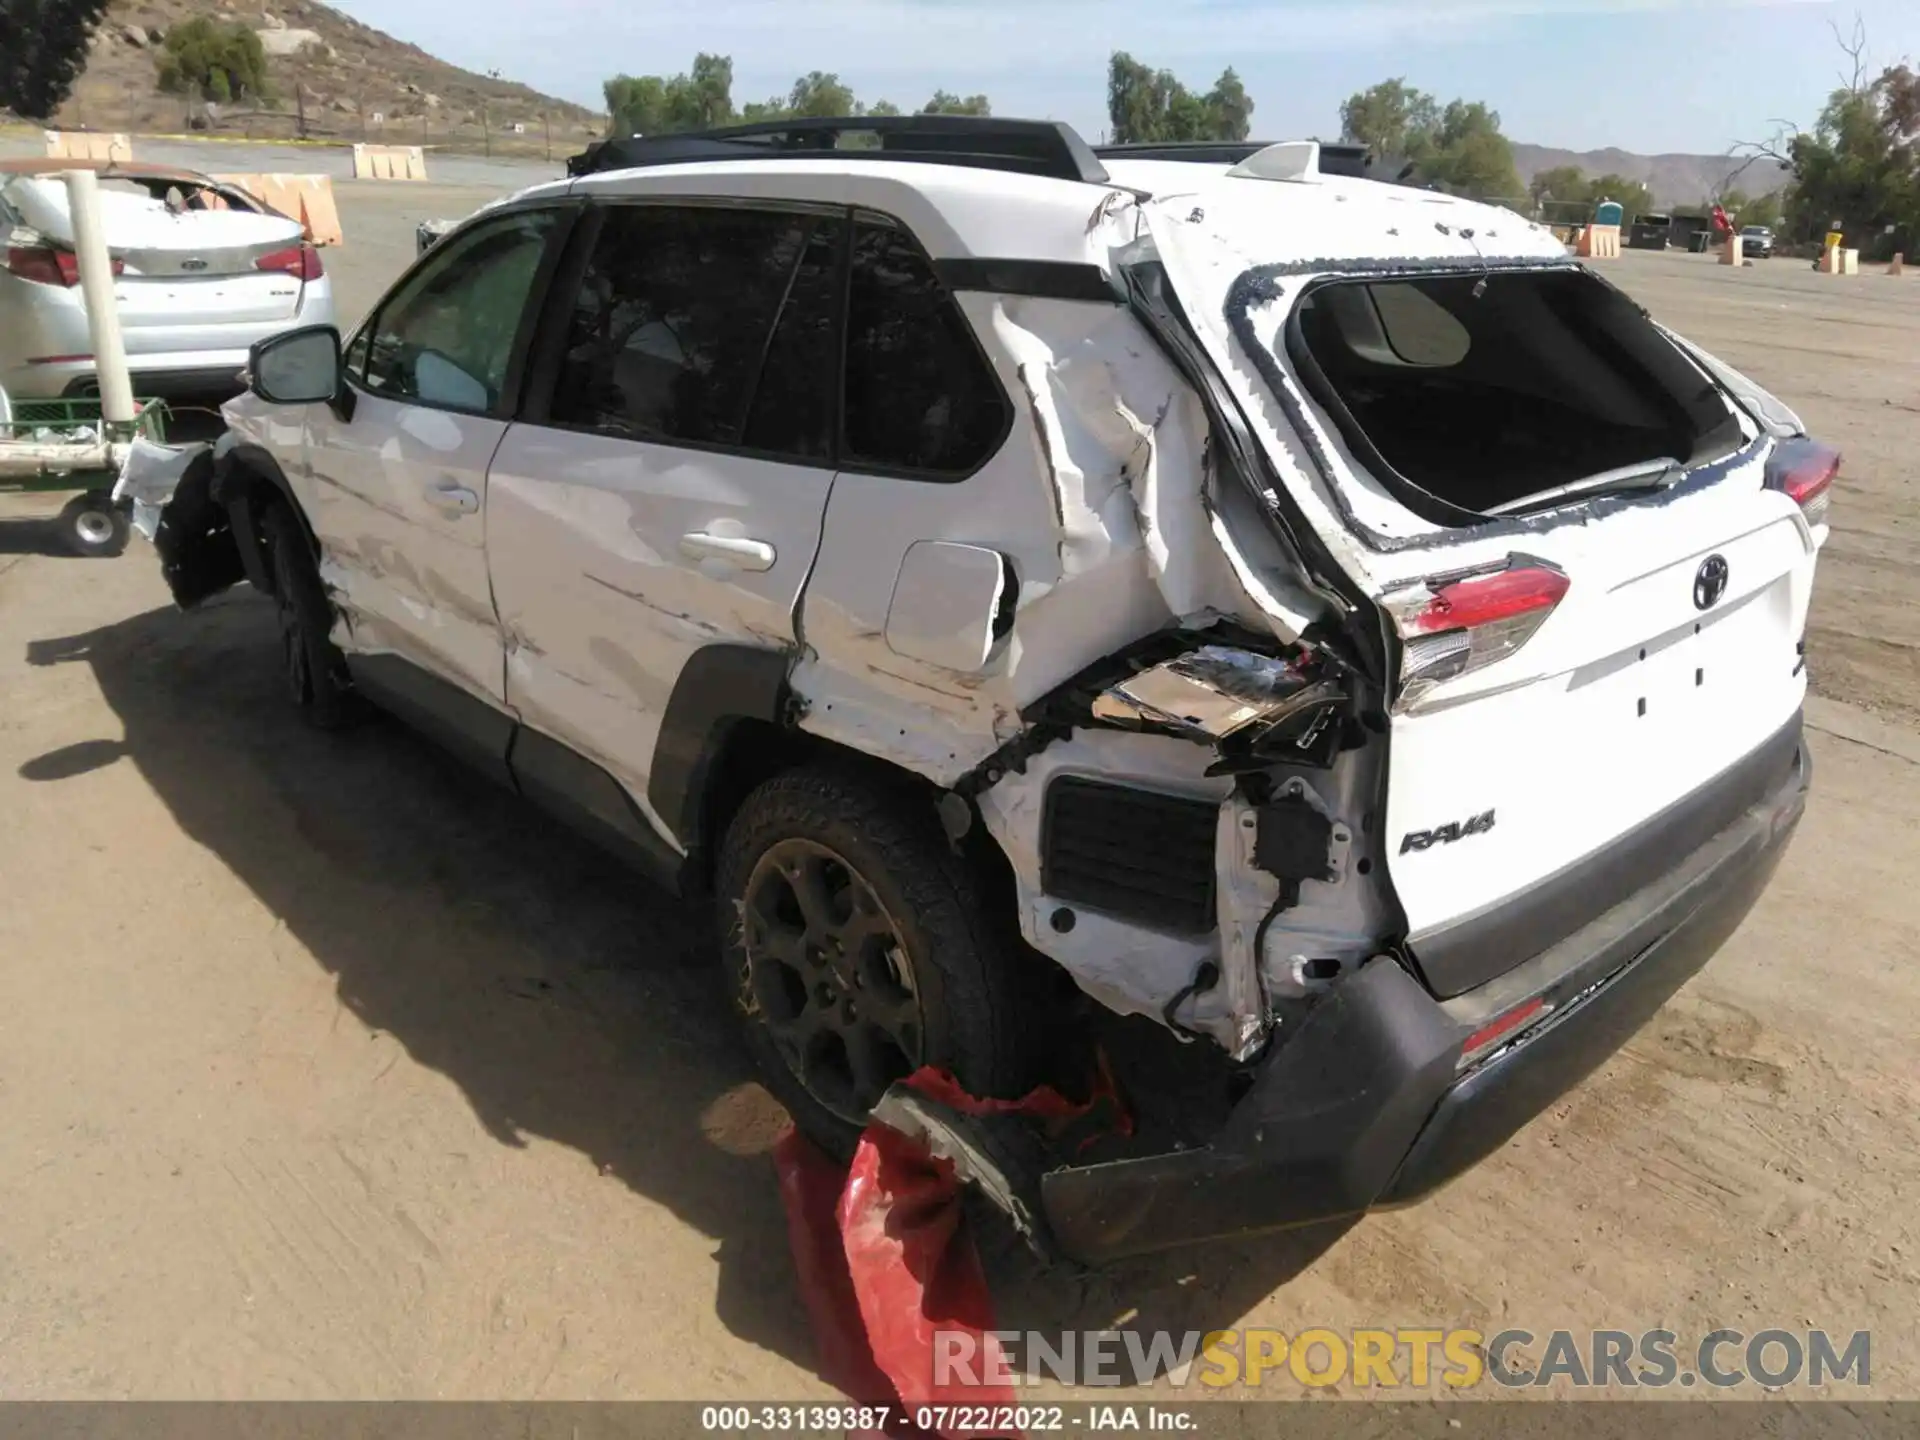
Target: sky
[1649, 76]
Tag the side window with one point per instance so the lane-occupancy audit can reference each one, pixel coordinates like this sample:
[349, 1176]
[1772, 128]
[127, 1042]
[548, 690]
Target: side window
[792, 410]
[919, 394]
[674, 319]
[446, 336]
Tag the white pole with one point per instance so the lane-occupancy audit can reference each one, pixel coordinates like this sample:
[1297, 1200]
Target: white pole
[96, 287]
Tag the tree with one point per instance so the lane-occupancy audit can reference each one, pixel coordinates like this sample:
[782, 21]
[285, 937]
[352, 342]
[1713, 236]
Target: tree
[1145, 105]
[1230, 107]
[1469, 155]
[1392, 119]
[1458, 149]
[214, 61]
[883, 108]
[757, 111]
[659, 105]
[944, 102]
[43, 49]
[1562, 182]
[1859, 166]
[818, 95]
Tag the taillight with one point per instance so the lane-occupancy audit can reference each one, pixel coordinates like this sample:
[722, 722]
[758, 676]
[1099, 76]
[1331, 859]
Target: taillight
[301, 261]
[1455, 625]
[1501, 1031]
[1804, 470]
[48, 265]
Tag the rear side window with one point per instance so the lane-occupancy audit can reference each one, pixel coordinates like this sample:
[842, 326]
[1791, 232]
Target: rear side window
[673, 320]
[447, 336]
[919, 394]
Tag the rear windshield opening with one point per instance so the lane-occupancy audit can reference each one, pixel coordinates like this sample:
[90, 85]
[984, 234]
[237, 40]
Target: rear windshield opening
[1479, 404]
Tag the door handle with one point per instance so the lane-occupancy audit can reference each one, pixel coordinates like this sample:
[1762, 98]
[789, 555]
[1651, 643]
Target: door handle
[455, 498]
[736, 550]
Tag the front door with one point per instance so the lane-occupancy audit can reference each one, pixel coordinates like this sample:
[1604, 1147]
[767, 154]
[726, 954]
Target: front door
[398, 481]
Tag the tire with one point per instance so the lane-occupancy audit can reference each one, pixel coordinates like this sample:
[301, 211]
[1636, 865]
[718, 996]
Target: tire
[937, 971]
[315, 671]
[92, 526]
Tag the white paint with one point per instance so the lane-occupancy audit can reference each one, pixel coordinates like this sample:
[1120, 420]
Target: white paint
[944, 603]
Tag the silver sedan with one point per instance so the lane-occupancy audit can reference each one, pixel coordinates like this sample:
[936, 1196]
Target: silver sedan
[202, 270]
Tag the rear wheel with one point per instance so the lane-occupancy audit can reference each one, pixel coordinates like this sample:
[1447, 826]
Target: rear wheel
[314, 671]
[91, 525]
[858, 947]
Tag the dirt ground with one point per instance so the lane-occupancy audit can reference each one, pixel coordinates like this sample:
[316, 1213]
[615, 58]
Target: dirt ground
[327, 1071]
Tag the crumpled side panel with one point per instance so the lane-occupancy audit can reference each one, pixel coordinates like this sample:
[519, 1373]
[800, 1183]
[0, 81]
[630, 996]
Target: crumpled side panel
[1129, 969]
[1097, 501]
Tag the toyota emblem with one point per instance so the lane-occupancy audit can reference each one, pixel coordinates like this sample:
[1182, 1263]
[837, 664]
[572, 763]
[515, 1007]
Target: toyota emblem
[1710, 582]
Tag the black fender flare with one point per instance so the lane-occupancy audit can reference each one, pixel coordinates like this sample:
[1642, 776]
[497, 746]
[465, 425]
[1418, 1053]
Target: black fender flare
[720, 686]
[237, 471]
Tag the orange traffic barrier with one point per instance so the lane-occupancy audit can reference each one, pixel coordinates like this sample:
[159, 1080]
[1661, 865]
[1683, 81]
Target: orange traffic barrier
[306, 198]
[88, 145]
[389, 162]
[1600, 242]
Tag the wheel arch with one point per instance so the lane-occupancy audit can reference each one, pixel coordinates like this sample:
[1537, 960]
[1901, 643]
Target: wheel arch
[246, 478]
[728, 729]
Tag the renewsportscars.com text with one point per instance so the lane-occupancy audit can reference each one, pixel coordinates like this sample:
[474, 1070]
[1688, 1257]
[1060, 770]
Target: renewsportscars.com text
[1407, 1358]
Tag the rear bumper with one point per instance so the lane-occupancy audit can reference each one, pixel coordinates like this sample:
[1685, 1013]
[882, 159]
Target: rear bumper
[1366, 1106]
[198, 374]
[198, 355]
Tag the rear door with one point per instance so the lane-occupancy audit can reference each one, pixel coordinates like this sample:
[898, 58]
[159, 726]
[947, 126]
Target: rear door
[665, 488]
[397, 482]
[1579, 681]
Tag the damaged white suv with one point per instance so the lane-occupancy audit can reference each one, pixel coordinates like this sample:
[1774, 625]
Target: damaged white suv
[1302, 642]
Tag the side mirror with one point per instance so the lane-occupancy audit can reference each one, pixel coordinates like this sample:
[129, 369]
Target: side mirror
[298, 367]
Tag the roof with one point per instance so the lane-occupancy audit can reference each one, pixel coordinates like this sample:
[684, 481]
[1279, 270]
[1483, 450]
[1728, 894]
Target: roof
[967, 212]
[955, 211]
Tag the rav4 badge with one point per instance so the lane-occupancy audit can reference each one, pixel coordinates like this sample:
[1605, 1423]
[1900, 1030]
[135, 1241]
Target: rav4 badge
[1446, 834]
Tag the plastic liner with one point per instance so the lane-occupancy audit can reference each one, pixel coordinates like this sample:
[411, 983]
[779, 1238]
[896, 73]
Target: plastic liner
[886, 1264]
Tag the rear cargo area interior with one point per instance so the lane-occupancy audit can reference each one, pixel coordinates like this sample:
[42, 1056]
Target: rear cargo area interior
[1482, 390]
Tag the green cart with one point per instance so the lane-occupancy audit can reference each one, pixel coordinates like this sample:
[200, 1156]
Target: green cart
[61, 446]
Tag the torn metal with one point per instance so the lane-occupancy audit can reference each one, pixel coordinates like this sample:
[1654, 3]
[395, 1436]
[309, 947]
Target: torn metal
[149, 476]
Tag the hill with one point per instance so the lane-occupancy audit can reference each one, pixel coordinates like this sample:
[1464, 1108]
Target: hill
[334, 79]
[1673, 179]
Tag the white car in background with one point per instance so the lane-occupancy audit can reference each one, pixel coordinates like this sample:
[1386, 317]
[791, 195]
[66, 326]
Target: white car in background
[202, 271]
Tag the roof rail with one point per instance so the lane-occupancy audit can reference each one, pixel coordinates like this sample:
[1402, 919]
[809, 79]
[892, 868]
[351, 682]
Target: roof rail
[1028, 147]
[1335, 159]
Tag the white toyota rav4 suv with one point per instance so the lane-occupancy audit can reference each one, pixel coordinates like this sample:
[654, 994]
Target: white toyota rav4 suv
[1298, 645]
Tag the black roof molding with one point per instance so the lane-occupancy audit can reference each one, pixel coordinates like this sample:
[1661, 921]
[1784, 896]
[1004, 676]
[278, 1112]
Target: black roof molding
[1335, 159]
[1028, 147]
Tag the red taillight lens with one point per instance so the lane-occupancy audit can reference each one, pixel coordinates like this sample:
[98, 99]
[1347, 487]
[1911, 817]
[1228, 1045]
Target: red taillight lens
[38, 263]
[301, 261]
[1498, 1032]
[1455, 626]
[1804, 471]
[48, 265]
